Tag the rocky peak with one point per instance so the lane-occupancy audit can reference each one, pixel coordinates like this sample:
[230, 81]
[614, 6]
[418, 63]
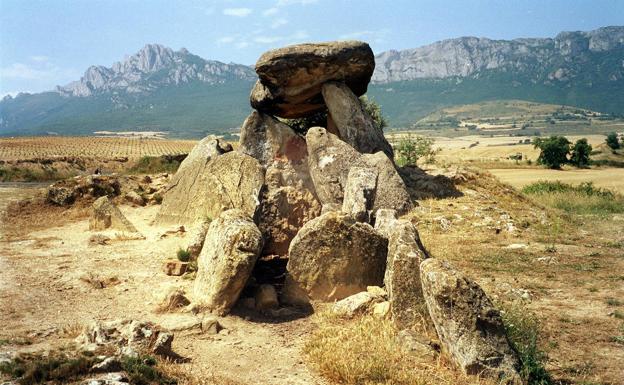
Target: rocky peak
[151, 67]
[466, 56]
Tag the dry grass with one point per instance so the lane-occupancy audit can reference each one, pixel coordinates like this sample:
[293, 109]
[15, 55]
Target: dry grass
[366, 350]
[193, 375]
[98, 282]
[24, 216]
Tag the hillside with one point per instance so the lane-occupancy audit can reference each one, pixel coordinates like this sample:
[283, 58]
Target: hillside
[188, 96]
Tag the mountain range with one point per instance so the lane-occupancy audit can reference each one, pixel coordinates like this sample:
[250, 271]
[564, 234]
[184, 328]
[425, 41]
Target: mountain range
[159, 89]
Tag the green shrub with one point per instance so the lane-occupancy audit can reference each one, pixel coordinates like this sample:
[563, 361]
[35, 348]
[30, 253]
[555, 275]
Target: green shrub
[613, 141]
[580, 153]
[183, 255]
[523, 330]
[554, 151]
[581, 199]
[142, 370]
[155, 165]
[410, 149]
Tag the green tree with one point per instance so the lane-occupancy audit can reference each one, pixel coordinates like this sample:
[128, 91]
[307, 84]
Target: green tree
[373, 109]
[410, 149]
[580, 153]
[554, 151]
[613, 141]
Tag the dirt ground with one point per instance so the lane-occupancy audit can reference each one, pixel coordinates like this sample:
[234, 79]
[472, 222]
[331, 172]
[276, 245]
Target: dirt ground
[569, 272]
[44, 298]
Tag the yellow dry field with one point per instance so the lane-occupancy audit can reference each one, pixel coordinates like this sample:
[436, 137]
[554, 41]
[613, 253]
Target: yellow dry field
[611, 178]
[105, 147]
[498, 148]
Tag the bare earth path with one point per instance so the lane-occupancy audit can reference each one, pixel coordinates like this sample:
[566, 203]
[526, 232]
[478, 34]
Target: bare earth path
[43, 296]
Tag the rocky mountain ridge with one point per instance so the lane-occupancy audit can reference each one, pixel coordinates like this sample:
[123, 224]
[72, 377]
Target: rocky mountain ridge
[466, 56]
[154, 66]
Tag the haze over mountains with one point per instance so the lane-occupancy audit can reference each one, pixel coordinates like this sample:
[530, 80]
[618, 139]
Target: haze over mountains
[161, 89]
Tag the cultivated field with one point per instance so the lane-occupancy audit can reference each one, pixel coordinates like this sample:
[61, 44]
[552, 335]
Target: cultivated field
[611, 178]
[45, 147]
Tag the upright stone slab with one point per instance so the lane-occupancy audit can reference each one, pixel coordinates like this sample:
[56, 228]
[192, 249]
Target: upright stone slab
[230, 251]
[332, 257]
[402, 278]
[291, 77]
[288, 199]
[209, 182]
[354, 124]
[330, 160]
[360, 192]
[106, 215]
[470, 328]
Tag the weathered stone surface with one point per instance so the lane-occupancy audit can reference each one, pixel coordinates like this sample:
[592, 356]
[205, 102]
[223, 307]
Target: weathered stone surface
[470, 328]
[333, 256]
[353, 123]
[291, 77]
[134, 198]
[330, 160]
[355, 304]
[127, 335]
[416, 344]
[209, 182]
[402, 278]
[286, 203]
[385, 219]
[391, 192]
[266, 298]
[232, 245]
[197, 236]
[381, 309]
[61, 196]
[174, 299]
[106, 215]
[267, 139]
[359, 194]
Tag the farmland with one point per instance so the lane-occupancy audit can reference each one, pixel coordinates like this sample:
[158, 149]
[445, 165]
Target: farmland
[21, 148]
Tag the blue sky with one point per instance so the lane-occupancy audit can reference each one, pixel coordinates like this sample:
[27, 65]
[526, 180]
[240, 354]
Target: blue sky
[50, 42]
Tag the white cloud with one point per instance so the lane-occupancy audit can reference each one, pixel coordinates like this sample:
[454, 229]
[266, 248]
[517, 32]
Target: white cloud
[296, 37]
[279, 22]
[23, 71]
[242, 44]
[237, 12]
[270, 11]
[282, 3]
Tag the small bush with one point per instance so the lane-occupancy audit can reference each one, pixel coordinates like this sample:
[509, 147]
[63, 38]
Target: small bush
[613, 141]
[183, 255]
[411, 149]
[142, 370]
[155, 165]
[523, 330]
[37, 369]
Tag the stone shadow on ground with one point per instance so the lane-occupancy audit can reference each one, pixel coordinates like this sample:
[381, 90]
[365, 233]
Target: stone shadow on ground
[422, 185]
[277, 316]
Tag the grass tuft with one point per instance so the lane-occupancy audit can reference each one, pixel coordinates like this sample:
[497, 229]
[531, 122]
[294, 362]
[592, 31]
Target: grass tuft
[523, 330]
[584, 199]
[183, 255]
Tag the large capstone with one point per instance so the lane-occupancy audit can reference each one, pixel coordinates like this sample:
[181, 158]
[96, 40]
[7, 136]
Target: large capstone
[210, 181]
[332, 257]
[353, 123]
[291, 77]
[230, 251]
[470, 328]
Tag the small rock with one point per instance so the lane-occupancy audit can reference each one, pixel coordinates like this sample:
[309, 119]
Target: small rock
[356, 304]
[174, 267]
[377, 291]
[381, 309]
[517, 246]
[109, 364]
[248, 302]
[134, 198]
[266, 298]
[108, 379]
[99, 239]
[210, 325]
[173, 300]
